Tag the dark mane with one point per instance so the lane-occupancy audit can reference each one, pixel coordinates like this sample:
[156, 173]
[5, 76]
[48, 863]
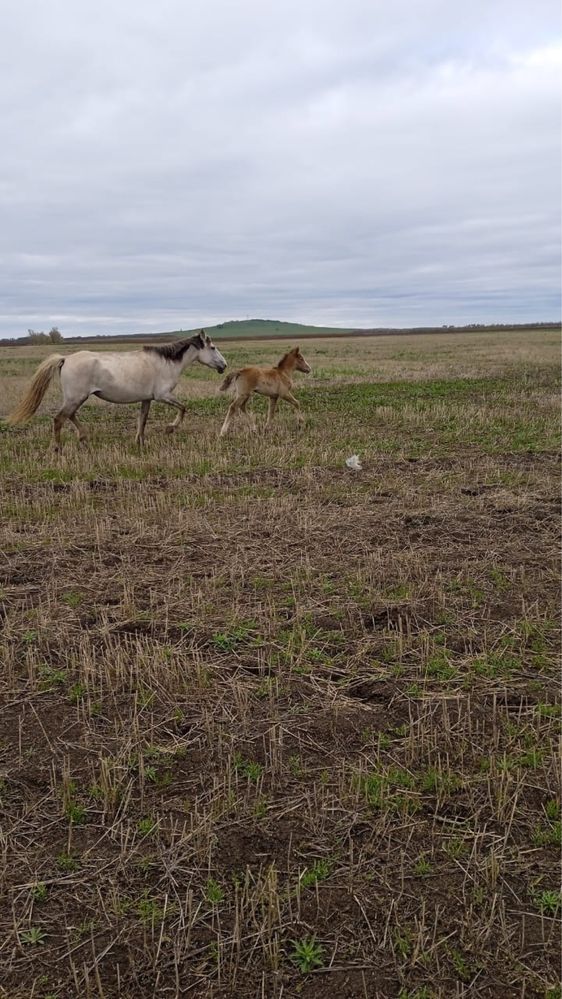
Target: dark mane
[174, 351]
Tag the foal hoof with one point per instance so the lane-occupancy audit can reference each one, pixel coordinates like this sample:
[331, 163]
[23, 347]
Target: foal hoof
[169, 429]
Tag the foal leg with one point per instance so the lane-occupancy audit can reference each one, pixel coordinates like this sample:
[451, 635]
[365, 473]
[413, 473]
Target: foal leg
[235, 405]
[228, 418]
[176, 404]
[141, 422]
[248, 416]
[271, 410]
[296, 406]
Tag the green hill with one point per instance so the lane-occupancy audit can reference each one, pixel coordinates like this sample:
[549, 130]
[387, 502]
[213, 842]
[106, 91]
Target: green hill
[243, 329]
[263, 327]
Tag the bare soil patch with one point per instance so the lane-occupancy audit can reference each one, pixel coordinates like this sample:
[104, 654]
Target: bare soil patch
[271, 728]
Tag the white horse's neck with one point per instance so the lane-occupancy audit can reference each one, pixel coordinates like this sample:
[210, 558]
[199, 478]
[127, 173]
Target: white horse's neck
[178, 364]
[188, 358]
[167, 371]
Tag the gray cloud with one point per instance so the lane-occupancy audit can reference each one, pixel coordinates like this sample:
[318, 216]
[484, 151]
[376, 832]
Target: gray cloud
[166, 165]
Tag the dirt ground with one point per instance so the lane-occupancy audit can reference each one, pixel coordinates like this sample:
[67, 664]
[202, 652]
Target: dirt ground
[273, 728]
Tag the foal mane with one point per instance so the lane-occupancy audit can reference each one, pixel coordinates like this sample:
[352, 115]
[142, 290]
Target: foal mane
[174, 351]
[281, 363]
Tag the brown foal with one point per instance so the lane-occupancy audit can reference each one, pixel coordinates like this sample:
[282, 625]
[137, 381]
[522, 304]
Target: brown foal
[276, 383]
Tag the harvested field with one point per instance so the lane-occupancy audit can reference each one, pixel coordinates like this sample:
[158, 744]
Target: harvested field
[272, 728]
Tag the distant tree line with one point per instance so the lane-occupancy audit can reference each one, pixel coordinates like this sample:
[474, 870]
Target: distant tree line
[53, 336]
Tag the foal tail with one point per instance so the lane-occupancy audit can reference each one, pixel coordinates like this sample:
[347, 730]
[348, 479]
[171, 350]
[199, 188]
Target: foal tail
[225, 385]
[39, 385]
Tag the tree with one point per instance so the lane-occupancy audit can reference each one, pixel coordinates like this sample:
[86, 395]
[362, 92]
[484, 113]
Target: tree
[35, 337]
[53, 336]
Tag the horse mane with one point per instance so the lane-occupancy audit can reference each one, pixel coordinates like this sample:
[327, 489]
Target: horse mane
[174, 351]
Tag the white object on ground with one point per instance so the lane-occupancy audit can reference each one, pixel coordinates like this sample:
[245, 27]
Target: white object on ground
[354, 463]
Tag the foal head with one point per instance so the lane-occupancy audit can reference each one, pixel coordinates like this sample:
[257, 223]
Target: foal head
[207, 353]
[295, 361]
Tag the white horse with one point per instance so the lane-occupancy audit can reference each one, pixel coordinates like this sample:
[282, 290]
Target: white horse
[144, 376]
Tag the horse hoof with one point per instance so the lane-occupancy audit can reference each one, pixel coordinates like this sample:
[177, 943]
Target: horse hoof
[169, 430]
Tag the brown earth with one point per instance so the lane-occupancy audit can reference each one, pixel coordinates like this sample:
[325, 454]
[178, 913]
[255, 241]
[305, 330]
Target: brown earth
[253, 704]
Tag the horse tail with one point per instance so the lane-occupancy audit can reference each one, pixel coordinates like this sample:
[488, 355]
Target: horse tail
[225, 385]
[39, 385]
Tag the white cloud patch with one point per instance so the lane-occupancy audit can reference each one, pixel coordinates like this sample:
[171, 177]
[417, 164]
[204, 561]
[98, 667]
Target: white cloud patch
[360, 164]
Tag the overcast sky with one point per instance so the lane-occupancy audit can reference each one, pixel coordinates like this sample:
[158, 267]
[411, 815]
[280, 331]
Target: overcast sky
[354, 163]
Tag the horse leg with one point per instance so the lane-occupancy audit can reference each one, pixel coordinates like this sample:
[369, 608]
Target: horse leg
[271, 410]
[141, 421]
[81, 431]
[67, 412]
[57, 427]
[288, 397]
[176, 404]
